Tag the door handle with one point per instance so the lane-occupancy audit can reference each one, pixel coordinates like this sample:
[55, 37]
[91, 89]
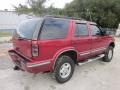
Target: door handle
[94, 37]
[74, 42]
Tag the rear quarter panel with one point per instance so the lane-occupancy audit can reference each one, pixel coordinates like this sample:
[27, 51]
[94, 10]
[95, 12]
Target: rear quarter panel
[50, 49]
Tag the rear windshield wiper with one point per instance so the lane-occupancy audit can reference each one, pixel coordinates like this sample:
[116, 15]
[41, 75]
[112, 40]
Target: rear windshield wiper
[21, 38]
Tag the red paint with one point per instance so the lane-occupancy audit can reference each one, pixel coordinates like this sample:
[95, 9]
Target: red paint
[49, 50]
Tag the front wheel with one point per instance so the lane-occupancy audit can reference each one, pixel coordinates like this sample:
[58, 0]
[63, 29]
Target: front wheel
[108, 54]
[64, 69]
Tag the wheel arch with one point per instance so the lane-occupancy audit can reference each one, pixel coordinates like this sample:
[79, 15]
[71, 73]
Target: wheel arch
[112, 44]
[70, 52]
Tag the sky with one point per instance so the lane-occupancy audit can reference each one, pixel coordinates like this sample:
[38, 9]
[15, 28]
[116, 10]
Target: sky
[8, 4]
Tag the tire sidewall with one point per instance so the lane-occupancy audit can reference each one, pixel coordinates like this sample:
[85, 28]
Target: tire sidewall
[61, 61]
[106, 58]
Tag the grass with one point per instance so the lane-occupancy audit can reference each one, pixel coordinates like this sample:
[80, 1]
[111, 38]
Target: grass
[5, 34]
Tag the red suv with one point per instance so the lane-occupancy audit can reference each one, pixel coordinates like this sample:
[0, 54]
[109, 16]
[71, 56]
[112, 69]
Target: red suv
[56, 44]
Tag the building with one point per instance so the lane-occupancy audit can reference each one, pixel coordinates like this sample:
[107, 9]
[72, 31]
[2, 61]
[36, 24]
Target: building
[9, 20]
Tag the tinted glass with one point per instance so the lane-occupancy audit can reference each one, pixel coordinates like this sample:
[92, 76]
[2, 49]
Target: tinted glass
[95, 30]
[27, 28]
[54, 29]
[81, 30]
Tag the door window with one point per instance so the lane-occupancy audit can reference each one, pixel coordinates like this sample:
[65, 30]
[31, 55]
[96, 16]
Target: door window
[81, 30]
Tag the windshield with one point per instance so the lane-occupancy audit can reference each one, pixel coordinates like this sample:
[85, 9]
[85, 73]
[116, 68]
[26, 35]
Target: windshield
[27, 28]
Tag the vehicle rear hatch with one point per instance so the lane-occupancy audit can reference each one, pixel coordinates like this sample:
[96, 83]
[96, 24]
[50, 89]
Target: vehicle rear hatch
[22, 46]
[23, 36]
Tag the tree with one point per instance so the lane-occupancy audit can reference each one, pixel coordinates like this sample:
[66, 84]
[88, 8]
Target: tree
[22, 9]
[36, 7]
[33, 6]
[105, 12]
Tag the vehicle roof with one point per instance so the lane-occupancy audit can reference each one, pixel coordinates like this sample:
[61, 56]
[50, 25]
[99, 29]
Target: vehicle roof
[77, 20]
[84, 21]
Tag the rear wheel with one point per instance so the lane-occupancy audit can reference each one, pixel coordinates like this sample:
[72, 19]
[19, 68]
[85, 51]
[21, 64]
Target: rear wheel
[64, 69]
[108, 54]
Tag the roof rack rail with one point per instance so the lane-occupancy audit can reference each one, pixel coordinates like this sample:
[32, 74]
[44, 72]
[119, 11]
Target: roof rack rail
[66, 17]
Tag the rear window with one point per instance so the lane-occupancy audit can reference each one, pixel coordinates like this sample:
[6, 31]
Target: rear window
[54, 29]
[27, 28]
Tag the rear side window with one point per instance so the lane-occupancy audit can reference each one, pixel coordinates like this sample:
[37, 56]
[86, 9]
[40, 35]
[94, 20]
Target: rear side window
[27, 28]
[54, 29]
[81, 30]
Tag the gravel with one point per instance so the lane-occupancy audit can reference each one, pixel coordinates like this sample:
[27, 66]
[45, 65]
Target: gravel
[97, 75]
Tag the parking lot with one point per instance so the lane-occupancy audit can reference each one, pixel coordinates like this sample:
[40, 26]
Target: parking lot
[97, 75]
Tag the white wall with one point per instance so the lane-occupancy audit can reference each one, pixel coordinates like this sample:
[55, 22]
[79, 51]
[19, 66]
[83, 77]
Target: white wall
[10, 20]
[118, 31]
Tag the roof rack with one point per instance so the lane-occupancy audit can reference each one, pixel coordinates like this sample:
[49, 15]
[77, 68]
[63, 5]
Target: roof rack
[63, 17]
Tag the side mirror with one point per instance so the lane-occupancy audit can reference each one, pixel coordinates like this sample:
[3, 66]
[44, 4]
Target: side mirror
[104, 32]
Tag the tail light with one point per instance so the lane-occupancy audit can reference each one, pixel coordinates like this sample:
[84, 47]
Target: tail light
[35, 50]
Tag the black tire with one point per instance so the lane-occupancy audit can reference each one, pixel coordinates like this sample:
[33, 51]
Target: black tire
[106, 58]
[60, 62]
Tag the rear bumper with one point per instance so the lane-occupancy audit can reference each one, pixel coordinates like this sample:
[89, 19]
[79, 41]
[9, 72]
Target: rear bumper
[28, 65]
